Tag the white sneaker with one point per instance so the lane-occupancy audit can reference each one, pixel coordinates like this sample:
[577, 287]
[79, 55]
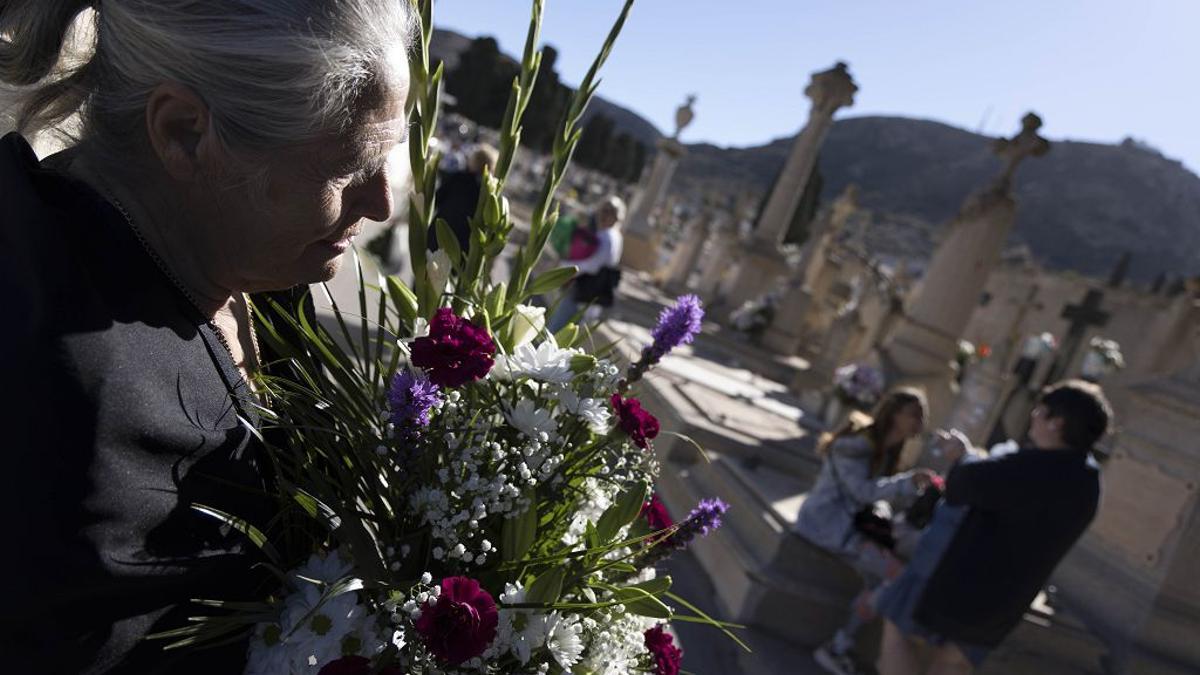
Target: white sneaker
[838, 663]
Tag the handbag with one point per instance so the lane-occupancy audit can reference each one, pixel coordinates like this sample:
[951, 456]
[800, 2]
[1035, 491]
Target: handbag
[599, 288]
[921, 512]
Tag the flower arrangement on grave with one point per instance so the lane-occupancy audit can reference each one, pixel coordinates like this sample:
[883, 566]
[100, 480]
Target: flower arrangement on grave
[1103, 358]
[754, 316]
[858, 385]
[967, 354]
[461, 491]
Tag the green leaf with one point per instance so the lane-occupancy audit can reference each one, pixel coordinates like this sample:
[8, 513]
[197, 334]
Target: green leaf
[253, 533]
[550, 281]
[519, 532]
[448, 242]
[621, 513]
[495, 299]
[403, 299]
[709, 620]
[643, 601]
[547, 587]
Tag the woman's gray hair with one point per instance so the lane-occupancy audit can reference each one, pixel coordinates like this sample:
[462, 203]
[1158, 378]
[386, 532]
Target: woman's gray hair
[272, 72]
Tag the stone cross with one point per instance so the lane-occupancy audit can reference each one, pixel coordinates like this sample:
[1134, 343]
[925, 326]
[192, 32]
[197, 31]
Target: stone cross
[1117, 278]
[829, 90]
[1027, 143]
[684, 115]
[1081, 317]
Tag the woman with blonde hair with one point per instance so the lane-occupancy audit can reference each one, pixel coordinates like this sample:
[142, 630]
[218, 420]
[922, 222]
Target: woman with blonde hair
[860, 468]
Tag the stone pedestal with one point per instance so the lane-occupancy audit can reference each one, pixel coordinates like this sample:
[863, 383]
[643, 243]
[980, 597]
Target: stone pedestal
[761, 269]
[924, 344]
[641, 251]
[641, 239]
[982, 390]
[787, 332]
[686, 257]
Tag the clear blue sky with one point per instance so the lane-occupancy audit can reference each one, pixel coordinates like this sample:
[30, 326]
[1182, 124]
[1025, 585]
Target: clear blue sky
[1094, 70]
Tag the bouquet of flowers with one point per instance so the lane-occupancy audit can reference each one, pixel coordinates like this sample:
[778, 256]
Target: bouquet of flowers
[858, 385]
[461, 491]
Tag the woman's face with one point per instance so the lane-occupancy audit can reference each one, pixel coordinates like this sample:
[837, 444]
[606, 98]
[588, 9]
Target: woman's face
[317, 195]
[909, 420]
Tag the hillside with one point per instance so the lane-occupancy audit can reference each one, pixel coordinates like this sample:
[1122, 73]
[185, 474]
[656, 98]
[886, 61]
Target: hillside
[1079, 207]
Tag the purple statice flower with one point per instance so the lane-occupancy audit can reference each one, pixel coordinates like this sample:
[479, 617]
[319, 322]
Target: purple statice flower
[677, 325]
[411, 397]
[704, 519]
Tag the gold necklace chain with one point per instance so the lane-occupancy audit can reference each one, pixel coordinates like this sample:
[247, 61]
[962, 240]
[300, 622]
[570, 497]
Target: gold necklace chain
[179, 286]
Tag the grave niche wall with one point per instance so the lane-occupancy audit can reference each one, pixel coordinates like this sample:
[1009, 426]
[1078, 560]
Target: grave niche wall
[1133, 576]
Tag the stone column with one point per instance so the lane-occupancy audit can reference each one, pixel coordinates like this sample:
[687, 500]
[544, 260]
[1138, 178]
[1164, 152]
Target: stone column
[925, 342]
[642, 240]
[829, 90]
[787, 331]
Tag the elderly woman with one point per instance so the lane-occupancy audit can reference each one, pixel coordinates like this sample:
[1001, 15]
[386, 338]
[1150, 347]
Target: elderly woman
[595, 285]
[226, 147]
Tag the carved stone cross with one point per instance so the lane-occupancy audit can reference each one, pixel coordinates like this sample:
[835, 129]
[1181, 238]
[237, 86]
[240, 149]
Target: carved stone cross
[1027, 143]
[1081, 317]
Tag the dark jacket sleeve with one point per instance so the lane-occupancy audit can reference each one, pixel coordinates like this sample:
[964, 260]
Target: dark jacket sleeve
[991, 484]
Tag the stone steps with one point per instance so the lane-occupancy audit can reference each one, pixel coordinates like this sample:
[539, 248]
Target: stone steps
[764, 574]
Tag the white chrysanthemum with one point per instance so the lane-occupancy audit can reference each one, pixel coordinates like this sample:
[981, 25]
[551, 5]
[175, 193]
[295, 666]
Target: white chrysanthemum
[546, 362]
[563, 637]
[325, 567]
[518, 631]
[267, 654]
[592, 410]
[312, 631]
[530, 419]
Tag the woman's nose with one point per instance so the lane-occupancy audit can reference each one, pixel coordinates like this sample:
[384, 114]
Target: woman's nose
[373, 200]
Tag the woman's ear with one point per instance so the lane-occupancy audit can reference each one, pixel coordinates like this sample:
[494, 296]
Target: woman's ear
[177, 123]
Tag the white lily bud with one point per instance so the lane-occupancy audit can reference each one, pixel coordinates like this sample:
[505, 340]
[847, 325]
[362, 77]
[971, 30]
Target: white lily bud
[527, 321]
[437, 268]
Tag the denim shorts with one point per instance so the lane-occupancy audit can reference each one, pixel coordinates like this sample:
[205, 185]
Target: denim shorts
[897, 600]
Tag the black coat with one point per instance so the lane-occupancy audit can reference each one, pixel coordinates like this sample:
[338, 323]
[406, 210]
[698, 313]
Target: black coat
[1026, 511]
[456, 199]
[121, 410]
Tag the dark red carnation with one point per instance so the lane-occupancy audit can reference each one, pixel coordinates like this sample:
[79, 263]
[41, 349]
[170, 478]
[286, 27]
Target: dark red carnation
[461, 623]
[355, 665]
[455, 352]
[655, 513]
[666, 656]
[634, 420]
